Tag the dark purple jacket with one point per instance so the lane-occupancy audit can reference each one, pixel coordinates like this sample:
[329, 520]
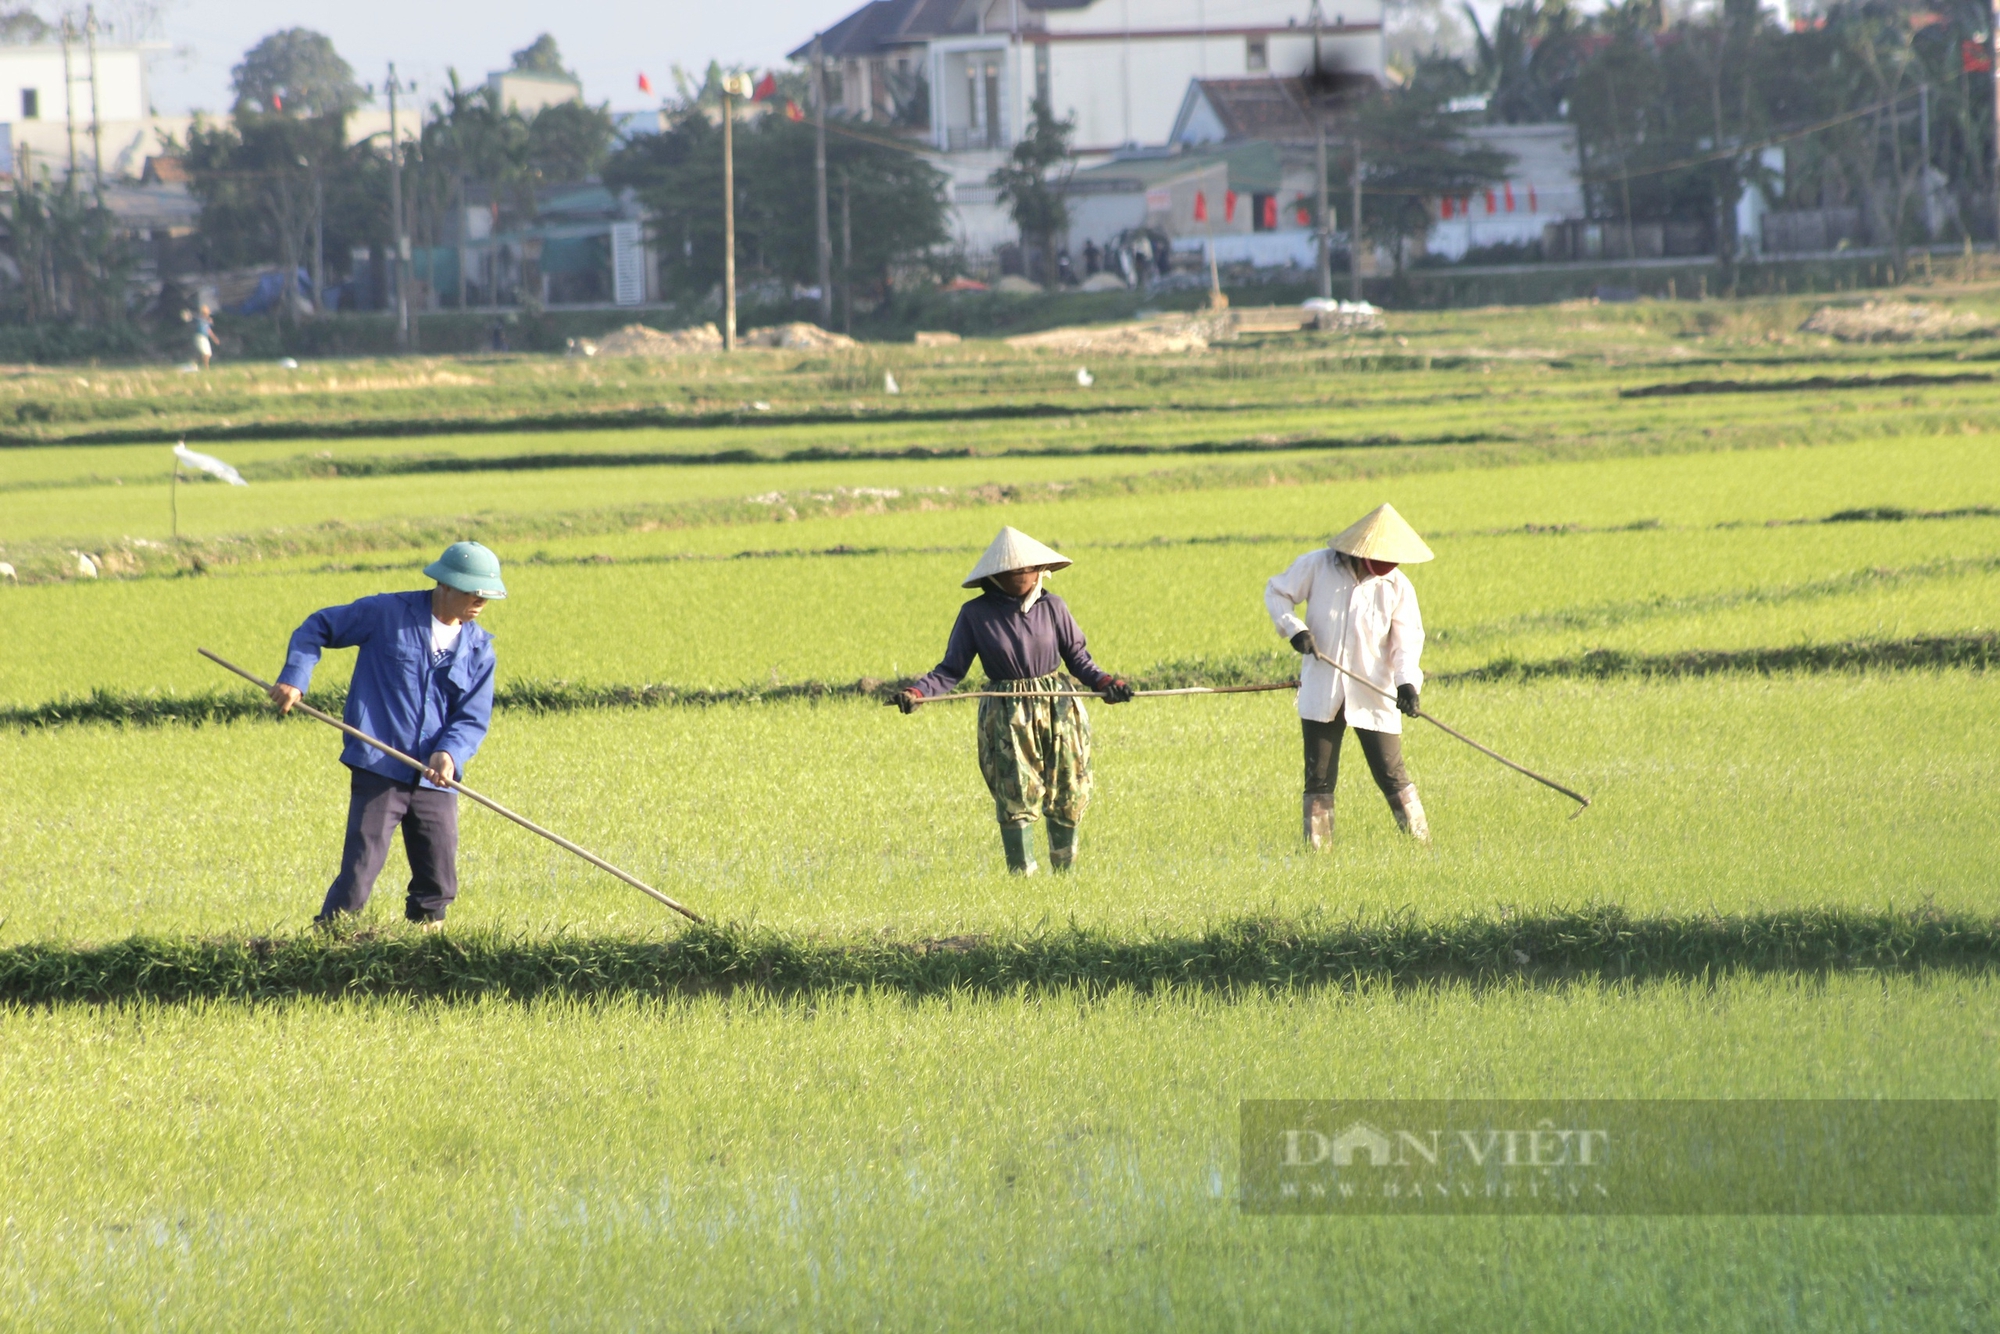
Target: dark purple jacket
[1013, 645]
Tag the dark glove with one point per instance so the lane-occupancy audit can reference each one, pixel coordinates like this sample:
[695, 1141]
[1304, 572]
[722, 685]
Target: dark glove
[908, 700]
[1406, 699]
[1118, 691]
[1303, 642]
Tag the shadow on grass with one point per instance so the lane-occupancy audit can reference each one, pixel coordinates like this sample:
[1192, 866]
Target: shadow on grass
[1971, 652]
[1600, 944]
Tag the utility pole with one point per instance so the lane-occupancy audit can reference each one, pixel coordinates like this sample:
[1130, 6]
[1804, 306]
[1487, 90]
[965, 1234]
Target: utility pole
[822, 238]
[401, 263]
[731, 85]
[1325, 254]
[319, 241]
[1993, 63]
[96, 125]
[1325, 215]
[69, 97]
[1354, 231]
[846, 258]
[1924, 174]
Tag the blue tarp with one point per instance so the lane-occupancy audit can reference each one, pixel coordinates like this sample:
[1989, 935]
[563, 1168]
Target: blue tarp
[271, 290]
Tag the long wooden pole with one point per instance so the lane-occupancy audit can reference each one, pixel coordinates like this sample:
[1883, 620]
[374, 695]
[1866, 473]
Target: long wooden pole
[1583, 802]
[457, 786]
[1094, 694]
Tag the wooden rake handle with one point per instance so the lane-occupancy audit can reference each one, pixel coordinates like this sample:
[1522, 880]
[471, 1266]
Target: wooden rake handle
[457, 786]
[1096, 694]
[1583, 802]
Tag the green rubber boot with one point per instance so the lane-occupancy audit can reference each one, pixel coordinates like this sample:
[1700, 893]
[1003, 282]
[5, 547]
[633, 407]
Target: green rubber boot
[1019, 841]
[1062, 846]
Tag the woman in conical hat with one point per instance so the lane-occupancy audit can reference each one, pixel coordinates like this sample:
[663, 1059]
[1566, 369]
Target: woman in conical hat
[1034, 751]
[1361, 611]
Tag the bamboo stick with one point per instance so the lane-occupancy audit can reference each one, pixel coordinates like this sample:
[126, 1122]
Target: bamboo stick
[457, 786]
[1096, 694]
[1583, 802]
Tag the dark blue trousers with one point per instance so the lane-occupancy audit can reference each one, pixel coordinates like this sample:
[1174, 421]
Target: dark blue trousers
[376, 806]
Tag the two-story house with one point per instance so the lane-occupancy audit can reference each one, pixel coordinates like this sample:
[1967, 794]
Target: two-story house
[964, 74]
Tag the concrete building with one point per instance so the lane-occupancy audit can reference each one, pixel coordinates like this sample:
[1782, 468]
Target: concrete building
[51, 100]
[963, 75]
[527, 93]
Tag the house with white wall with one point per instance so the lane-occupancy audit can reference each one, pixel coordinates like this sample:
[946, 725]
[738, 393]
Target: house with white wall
[964, 74]
[51, 98]
[1542, 187]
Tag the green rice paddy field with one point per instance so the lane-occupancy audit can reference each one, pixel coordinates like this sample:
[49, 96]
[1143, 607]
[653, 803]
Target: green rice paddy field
[889, 1086]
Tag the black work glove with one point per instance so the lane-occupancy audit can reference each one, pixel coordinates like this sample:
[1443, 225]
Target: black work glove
[1406, 699]
[1303, 642]
[908, 700]
[1118, 691]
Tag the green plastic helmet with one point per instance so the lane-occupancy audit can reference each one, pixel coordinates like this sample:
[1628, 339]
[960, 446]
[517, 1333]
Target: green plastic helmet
[470, 568]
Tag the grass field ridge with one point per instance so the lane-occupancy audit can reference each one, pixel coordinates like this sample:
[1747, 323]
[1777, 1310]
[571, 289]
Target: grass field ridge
[1971, 652]
[1601, 943]
[52, 560]
[1606, 615]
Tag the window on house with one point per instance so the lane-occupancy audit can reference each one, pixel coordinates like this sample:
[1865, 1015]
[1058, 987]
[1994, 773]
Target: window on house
[31, 104]
[1256, 54]
[1042, 74]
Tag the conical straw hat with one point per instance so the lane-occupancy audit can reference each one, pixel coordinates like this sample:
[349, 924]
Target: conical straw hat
[1014, 550]
[1382, 534]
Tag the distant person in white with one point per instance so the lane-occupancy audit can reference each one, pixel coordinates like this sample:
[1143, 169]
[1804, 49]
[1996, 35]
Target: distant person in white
[1361, 611]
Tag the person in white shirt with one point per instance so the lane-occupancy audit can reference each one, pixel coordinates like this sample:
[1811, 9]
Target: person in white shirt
[1361, 611]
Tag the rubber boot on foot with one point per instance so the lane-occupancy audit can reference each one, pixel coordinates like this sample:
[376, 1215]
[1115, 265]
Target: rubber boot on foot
[1019, 841]
[1062, 846]
[1319, 820]
[1409, 813]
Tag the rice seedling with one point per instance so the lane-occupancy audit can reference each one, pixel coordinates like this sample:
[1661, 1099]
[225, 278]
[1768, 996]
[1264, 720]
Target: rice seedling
[1034, 1159]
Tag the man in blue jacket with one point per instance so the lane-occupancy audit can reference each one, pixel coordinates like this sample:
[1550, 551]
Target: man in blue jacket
[423, 682]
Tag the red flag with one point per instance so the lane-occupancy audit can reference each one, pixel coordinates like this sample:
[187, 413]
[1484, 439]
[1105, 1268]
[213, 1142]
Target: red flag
[277, 101]
[1200, 206]
[645, 84]
[1510, 196]
[1974, 58]
[765, 87]
[1491, 206]
[1270, 213]
[1305, 215]
[1229, 206]
[1444, 207]
[793, 111]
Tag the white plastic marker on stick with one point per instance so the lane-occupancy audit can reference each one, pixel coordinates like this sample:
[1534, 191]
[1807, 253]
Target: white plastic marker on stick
[1583, 802]
[457, 786]
[209, 464]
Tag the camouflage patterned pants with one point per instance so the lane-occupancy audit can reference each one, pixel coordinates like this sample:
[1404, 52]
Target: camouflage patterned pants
[1035, 753]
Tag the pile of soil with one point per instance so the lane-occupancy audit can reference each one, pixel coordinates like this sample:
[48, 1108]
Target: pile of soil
[1148, 338]
[636, 340]
[1891, 322]
[799, 336]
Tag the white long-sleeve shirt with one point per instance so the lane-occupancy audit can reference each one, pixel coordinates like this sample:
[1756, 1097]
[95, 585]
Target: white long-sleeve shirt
[1370, 626]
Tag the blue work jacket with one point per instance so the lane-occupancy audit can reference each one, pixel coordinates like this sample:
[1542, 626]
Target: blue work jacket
[396, 695]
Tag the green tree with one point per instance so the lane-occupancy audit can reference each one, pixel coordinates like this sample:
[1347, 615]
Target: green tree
[75, 265]
[1034, 201]
[23, 26]
[295, 72]
[569, 141]
[896, 200]
[541, 56]
[1414, 153]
